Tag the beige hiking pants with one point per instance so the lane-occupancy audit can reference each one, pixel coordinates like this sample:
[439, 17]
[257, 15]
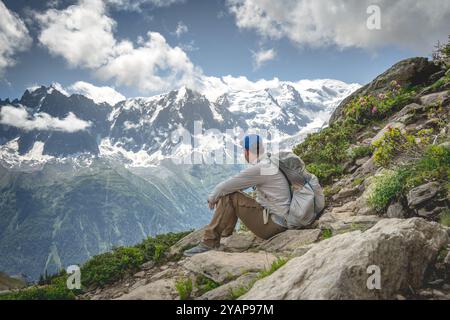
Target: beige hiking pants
[229, 209]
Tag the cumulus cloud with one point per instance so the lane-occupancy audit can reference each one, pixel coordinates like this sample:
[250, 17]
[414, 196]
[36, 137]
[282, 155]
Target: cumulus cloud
[98, 94]
[262, 56]
[83, 34]
[20, 118]
[181, 28]
[413, 24]
[14, 37]
[152, 66]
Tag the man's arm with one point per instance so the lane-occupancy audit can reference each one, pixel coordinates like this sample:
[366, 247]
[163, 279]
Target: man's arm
[248, 177]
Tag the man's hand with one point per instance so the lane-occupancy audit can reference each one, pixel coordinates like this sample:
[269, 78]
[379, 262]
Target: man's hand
[211, 205]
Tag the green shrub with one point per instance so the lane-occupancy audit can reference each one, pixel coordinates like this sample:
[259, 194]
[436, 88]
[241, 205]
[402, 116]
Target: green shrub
[396, 142]
[184, 288]
[325, 171]
[154, 248]
[360, 152]
[445, 218]
[366, 109]
[434, 165]
[326, 234]
[111, 266]
[235, 293]
[55, 290]
[385, 188]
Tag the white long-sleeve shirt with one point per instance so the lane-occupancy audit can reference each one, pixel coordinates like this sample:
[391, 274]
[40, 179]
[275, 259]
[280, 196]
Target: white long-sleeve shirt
[272, 188]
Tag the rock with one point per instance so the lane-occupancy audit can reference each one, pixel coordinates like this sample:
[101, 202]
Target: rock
[422, 193]
[347, 192]
[224, 266]
[290, 240]
[349, 223]
[447, 259]
[400, 297]
[409, 113]
[239, 242]
[435, 99]
[189, 241]
[337, 268]
[224, 292]
[148, 265]
[159, 290]
[393, 125]
[361, 161]
[139, 274]
[395, 210]
[430, 213]
[138, 284]
[163, 274]
[445, 144]
[301, 250]
[409, 72]
[368, 167]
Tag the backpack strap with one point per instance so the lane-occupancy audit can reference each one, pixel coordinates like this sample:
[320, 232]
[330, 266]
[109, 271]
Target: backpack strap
[289, 182]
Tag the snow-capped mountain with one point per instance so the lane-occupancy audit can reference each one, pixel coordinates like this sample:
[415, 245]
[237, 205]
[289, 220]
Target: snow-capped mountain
[47, 123]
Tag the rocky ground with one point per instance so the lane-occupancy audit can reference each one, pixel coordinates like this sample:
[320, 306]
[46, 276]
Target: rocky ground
[333, 258]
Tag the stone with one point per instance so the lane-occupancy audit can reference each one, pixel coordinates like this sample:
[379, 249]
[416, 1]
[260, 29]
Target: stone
[395, 210]
[430, 213]
[368, 167]
[347, 192]
[337, 268]
[188, 241]
[163, 289]
[166, 273]
[409, 109]
[148, 265]
[224, 292]
[422, 193]
[435, 99]
[226, 266]
[139, 274]
[139, 283]
[361, 161]
[349, 223]
[290, 240]
[239, 242]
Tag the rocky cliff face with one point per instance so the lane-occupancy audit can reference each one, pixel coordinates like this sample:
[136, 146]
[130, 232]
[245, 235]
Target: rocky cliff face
[384, 233]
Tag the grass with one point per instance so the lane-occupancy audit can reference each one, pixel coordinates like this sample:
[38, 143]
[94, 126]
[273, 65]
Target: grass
[326, 234]
[445, 218]
[204, 284]
[184, 288]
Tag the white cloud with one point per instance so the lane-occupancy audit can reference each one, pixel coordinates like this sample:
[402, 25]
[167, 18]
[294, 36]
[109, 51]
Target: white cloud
[262, 56]
[81, 33]
[98, 94]
[20, 118]
[14, 37]
[84, 35]
[135, 5]
[181, 28]
[413, 24]
[153, 66]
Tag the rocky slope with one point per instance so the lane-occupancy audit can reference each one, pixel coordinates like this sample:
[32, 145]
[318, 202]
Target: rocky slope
[406, 240]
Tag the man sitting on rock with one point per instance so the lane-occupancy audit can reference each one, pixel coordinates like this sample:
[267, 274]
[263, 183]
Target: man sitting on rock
[262, 216]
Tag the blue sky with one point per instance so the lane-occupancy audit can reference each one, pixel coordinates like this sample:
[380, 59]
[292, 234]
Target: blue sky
[218, 38]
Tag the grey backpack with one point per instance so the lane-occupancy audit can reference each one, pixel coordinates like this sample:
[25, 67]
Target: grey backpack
[307, 198]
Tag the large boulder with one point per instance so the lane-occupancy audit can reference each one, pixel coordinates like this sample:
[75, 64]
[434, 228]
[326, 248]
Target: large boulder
[163, 289]
[422, 193]
[409, 72]
[226, 266]
[290, 240]
[340, 267]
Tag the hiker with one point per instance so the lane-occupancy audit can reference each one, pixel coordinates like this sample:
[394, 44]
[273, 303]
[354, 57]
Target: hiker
[268, 214]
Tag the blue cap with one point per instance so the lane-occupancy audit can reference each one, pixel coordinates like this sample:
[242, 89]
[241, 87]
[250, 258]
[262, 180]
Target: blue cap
[250, 140]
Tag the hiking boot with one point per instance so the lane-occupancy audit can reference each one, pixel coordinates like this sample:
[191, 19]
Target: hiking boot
[200, 248]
